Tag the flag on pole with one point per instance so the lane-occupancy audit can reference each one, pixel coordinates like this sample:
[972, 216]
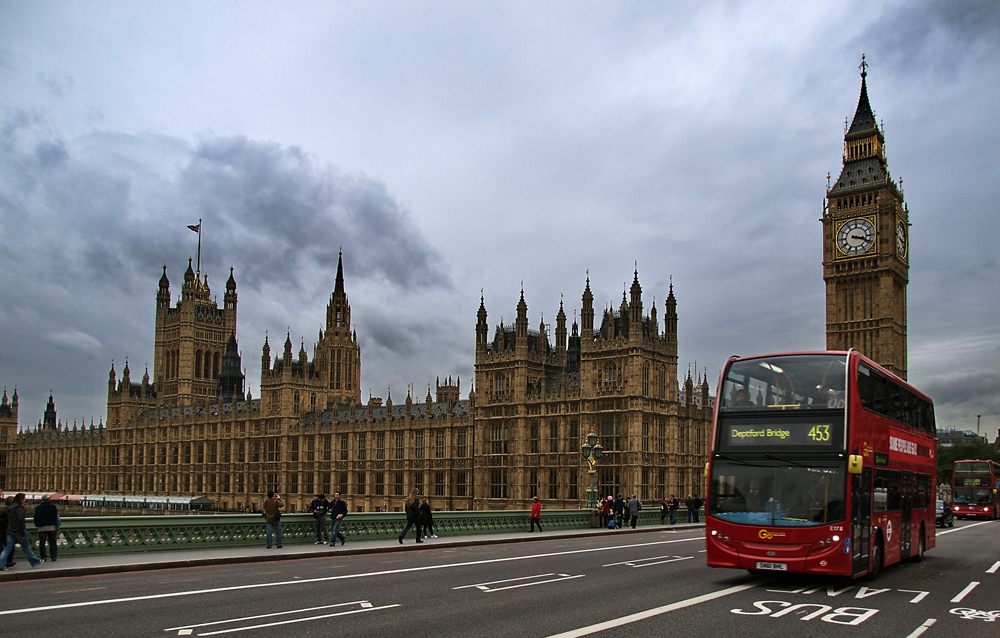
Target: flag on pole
[195, 227]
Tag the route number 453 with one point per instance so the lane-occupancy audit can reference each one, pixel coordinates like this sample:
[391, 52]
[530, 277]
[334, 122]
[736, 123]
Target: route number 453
[820, 433]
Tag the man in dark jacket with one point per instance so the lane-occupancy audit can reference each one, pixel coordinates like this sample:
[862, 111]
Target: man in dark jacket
[47, 523]
[619, 509]
[319, 507]
[338, 510]
[17, 534]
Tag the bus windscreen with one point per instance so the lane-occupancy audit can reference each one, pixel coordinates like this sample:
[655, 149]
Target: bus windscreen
[796, 382]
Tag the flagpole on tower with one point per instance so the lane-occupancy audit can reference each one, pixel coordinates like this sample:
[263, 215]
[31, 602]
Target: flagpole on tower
[197, 229]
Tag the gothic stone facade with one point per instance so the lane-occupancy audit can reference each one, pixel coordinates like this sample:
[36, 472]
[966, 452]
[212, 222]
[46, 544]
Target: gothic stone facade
[192, 431]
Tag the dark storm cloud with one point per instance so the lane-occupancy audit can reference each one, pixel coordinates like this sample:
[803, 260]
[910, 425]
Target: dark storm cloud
[286, 215]
[935, 34]
[88, 222]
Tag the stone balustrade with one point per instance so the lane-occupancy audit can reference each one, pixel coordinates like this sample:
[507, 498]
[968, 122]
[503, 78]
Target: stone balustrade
[111, 534]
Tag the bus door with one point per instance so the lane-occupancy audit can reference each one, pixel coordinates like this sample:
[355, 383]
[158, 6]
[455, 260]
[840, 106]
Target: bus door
[861, 520]
[906, 514]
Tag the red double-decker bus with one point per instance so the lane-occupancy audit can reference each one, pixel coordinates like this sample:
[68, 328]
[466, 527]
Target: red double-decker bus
[975, 489]
[821, 462]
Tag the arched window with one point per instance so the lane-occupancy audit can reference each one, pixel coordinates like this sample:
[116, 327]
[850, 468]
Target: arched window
[215, 366]
[197, 364]
[295, 403]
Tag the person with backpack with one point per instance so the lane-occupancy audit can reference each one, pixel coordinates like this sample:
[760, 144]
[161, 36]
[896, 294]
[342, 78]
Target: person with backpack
[412, 509]
[17, 534]
[319, 507]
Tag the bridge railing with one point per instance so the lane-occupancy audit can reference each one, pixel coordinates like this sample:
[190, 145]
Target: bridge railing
[123, 534]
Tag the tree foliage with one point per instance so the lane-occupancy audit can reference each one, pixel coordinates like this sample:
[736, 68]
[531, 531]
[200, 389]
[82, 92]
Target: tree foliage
[963, 452]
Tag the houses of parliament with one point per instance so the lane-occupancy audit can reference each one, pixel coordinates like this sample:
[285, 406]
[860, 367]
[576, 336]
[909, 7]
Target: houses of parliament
[192, 430]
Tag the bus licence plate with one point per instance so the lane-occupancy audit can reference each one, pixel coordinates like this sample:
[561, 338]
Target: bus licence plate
[779, 567]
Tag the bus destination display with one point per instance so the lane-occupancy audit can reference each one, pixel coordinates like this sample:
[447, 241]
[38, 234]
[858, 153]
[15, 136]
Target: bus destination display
[783, 434]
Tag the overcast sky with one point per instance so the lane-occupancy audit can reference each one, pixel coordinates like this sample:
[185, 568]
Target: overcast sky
[456, 147]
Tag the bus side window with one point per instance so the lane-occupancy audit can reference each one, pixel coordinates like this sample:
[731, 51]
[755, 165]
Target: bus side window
[923, 490]
[881, 485]
[893, 499]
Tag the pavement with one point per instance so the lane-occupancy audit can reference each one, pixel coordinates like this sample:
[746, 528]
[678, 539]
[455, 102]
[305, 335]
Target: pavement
[110, 563]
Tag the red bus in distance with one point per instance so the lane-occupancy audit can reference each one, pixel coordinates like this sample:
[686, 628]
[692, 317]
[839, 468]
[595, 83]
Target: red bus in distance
[974, 489]
[820, 462]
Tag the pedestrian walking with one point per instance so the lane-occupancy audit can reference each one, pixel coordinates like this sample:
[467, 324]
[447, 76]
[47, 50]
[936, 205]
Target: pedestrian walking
[272, 516]
[319, 508]
[664, 510]
[689, 504]
[536, 514]
[697, 506]
[427, 519]
[47, 524]
[634, 505]
[17, 534]
[338, 510]
[673, 505]
[412, 509]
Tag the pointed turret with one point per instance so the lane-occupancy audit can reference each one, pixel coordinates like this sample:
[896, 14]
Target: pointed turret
[587, 314]
[163, 293]
[49, 420]
[521, 323]
[265, 356]
[482, 328]
[231, 379]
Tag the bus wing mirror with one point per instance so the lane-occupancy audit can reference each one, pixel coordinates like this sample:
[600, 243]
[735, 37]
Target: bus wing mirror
[854, 463]
[706, 472]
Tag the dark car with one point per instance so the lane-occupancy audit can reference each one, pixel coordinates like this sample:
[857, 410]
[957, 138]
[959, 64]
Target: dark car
[945, 517]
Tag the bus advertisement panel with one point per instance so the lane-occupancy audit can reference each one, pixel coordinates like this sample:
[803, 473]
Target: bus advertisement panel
[820, 462]
[975, 489]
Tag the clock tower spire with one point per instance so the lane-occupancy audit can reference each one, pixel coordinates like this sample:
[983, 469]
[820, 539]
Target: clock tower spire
[866, 247]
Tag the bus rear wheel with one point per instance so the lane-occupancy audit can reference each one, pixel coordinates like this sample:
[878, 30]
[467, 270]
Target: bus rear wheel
[921, 546]
[878, 560]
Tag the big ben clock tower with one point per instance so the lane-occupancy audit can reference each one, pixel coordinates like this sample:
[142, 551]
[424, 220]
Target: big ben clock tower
[866, 247]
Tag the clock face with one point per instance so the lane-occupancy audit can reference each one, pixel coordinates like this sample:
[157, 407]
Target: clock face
[855, 237]
[901, 240]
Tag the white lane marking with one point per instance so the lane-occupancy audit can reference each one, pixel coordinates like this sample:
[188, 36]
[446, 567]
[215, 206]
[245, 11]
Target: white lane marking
[922, 628]
[405, 570]
[280, 613]
[920, 594]
[993, 570]
[537, 582]
[965, 592]
[506, 580]
[962, 528]
[649, 613]
[641, 562]
[297, 620]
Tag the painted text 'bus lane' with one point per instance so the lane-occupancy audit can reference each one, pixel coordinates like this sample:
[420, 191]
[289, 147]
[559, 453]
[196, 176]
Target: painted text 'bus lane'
[826, 613]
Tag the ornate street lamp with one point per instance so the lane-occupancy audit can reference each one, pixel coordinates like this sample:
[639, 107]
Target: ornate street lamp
[591, 451]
